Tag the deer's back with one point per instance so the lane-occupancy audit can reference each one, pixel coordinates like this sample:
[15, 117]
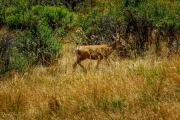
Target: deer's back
[93, 51]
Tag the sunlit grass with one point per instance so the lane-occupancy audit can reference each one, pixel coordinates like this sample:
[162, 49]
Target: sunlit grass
[142, 88]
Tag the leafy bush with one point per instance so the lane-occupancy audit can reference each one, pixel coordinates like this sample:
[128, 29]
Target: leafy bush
[21, 17]
[55, 16]
[1, 13]
[60, 31]
[25, 44]
[98, 28]
[35, 42]
[28, 48]
[80, 37]
[48, 47]
[6, 43]
[40, 47]
[142, 16]
[12, 17]
[16, 18]
[18, 61]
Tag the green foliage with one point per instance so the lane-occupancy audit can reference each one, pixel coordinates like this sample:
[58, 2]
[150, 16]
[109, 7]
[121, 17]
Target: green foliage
[54, 15]
[98, 28]
[87, 20]
[12, 17]
[21, 17]
[61, 31]
[18, 61]
[39, 21]
[80, 37]
[28, 49]
[40, 47]
[6, 43]
[159, 12]
[26, 44]
[1, 12]
[35, 42]
[48, 45]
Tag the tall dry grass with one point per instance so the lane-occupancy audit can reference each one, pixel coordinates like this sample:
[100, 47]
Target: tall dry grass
[143, 88]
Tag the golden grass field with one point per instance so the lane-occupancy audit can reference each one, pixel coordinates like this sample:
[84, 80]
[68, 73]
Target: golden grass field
[129, 89]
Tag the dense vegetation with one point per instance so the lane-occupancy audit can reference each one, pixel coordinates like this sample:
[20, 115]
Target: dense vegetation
[36, 25]
[37, 40]
[34, 38]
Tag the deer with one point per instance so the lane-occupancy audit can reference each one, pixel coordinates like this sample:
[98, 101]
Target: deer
[94, 52]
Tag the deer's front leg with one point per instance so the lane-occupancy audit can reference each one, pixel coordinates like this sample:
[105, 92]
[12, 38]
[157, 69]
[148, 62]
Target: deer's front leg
[76, 63]
[74, 66]
[82, 67]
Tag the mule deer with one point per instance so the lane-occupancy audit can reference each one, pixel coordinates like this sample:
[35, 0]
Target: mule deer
[93, 52]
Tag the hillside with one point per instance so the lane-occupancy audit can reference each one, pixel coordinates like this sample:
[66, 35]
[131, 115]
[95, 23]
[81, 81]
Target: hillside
[36, 28]
[37, 51]
[127, 89]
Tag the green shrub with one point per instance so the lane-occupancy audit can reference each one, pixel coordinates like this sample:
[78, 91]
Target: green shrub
[86, 21]
[60, 31]
[40, 47]
[26, 44]
[25, 18]
[46, 35]
[21, 17]
[27, 49]
[2, 8]
[17, 18]
[80, 37]
[48, 46]
[58, 16]
[6, 43]
[98, 28]
[12, 17]
[19, 61]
